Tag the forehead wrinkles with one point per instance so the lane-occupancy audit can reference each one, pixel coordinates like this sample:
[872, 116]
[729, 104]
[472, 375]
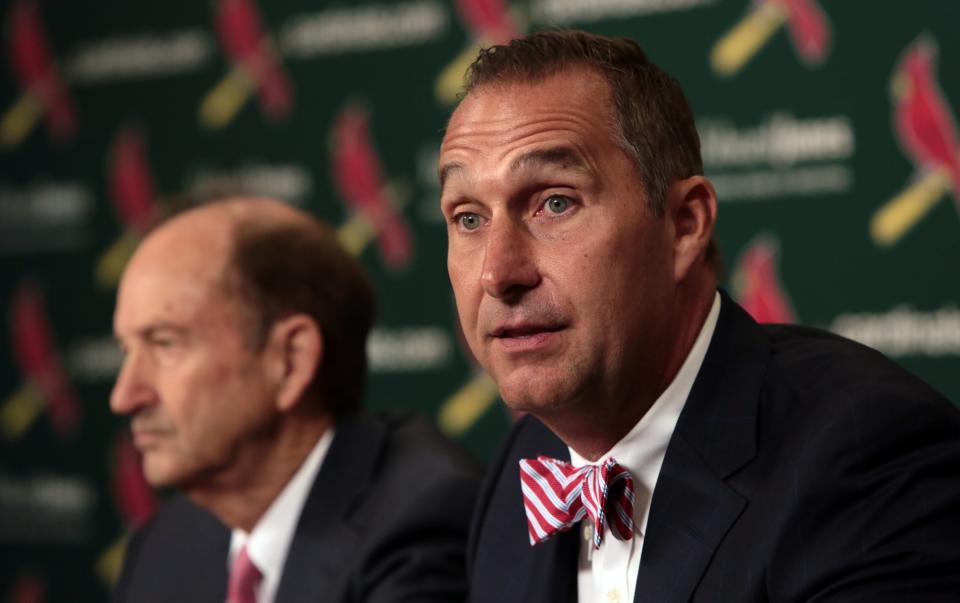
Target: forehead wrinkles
[498, 141]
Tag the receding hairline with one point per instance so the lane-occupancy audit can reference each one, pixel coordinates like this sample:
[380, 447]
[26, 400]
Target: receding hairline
[222, 225]
[504, 83]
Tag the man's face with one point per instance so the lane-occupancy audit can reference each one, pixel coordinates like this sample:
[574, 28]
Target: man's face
[563, 278]
[191, 381]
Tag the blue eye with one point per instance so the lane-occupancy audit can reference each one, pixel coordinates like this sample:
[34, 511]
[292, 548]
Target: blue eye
[557, 204]
[469, 220]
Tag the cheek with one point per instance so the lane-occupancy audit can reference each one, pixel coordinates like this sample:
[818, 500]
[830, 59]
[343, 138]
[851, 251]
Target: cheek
[466, 292]
[201, 399]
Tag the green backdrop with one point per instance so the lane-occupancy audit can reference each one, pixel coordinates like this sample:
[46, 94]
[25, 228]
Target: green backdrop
[828, 128]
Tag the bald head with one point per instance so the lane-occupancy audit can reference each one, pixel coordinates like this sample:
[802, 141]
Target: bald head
[200, 241]
[265, 259]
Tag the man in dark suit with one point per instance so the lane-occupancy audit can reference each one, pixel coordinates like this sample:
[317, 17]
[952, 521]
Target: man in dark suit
[695, 455]
[244, 327]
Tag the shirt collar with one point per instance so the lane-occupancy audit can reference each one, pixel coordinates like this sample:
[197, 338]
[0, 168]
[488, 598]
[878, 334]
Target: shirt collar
[642, 450]
[268, 543]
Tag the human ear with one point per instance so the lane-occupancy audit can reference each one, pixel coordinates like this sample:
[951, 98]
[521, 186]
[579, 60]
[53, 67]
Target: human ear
[692, 210]
[296, 347]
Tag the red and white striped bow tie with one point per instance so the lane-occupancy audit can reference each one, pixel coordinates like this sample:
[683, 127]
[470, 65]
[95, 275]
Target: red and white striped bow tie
[556, 495]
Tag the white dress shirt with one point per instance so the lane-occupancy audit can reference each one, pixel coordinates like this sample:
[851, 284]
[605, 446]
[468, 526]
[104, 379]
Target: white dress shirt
[609, 574]
[268, 543]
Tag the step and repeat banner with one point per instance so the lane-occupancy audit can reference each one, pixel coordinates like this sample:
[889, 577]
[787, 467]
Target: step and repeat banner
[829, 128]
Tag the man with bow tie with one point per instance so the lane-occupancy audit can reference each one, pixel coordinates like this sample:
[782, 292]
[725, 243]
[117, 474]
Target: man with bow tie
[676, 450]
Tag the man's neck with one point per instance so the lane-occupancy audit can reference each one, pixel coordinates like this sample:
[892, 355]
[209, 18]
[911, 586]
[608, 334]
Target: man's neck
[240, 500]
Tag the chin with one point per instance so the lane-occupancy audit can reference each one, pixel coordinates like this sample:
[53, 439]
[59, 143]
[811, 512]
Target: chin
[534, 397]
[159, 479]
[160, 474]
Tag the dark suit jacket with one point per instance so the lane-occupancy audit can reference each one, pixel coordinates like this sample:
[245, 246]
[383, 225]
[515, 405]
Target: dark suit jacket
[386, 520]
[804, 467]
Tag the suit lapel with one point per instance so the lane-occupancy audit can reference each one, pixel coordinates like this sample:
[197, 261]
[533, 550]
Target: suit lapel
[693, 507]
[315, 566]
[503, 566]
[554, 562]
[211, 583]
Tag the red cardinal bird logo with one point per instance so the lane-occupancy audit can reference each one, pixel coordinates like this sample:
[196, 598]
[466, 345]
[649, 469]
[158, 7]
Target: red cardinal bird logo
[47, 386]
[757, 285]
[135, 500]
[807, 23]
[927, 132]
[28, 589]
[489, 22]
[133, 494]
[130, 180]
[131, 187]
[43, 92]
[359, 180]
[256, 67]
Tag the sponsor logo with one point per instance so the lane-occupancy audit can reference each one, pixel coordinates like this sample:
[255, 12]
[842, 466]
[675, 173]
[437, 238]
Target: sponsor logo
[562, 12]
[45, 216]
[807, 24]
[408, 349]
[366, 28]
[52, 509]
[131, 189]
[375, 205]
[255, 67]
[333, 31]
[94, 359]
[927, 132]
[777, 145]
[290, 182]
[42, 93]
[46, 388]
[904, 331]
[757, 285]
[428, 156]
[761, 185]
[143, 56]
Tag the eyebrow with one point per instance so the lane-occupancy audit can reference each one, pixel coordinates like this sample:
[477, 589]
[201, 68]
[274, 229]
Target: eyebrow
[152, 329]
[561, 157]
[447, 169]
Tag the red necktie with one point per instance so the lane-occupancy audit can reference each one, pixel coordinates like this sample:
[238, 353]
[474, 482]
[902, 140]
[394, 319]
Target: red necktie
[244, 579]
[556, 495]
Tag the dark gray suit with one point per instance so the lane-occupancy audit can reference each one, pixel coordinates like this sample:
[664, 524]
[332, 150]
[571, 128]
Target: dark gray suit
[804, 467]
[385, 521]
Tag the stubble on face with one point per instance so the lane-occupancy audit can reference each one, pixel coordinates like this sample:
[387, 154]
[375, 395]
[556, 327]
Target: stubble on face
[584, 280]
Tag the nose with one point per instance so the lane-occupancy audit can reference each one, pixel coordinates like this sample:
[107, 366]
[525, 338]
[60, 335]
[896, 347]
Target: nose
[509, 261]
[132, 390]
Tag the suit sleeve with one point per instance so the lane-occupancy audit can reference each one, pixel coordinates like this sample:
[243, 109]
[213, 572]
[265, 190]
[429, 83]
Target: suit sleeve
[876, 512]
[419, 555]
[125, 588]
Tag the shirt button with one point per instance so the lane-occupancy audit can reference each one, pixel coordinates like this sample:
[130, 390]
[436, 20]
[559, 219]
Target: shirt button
[613, 596]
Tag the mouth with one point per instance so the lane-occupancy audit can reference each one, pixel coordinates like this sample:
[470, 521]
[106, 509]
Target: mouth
[147, 437]
[525, 337]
